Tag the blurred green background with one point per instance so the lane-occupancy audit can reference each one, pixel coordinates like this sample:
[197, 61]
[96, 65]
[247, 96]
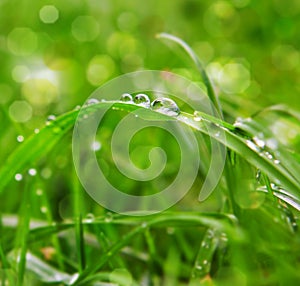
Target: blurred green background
[54, 54]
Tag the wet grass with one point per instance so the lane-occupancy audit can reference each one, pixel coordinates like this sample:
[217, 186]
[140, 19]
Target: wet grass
[246, 233]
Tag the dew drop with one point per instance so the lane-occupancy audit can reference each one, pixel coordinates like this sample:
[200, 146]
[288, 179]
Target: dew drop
[166, 106]
[260, 143]
[36, 130]
[92, 101]
[18, 177]
[96, 146]
[89, 217]
[20, 138]
[32, 172]
[144, 225]
[253, 146]
[50, 119]
[276, 161]
[268, 155]
[108, 217]
[197, 116]
[126, 97]
[205, 262]
[77, 107]
[142, 99]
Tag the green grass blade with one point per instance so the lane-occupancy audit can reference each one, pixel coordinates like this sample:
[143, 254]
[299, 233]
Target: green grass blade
[195, 59]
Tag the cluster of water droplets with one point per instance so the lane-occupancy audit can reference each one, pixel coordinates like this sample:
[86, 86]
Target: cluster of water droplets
[162, 105]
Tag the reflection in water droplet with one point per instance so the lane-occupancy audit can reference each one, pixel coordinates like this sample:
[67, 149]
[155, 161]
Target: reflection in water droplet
[142, 99]
[92, 101]
[126, 97]
[20, 138]
[166, 106]
[18, 177]
[276, 161]
[197, 116]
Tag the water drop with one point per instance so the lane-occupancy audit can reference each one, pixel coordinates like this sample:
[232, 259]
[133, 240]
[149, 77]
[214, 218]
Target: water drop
[268, 155]
[77, 107]
[108, 217]
[144, 225]
[197, 116]
[253, 146]
[92, 101]
[260, 143]
[205, 262]
[18, 177]
[32, 172]
[50, 119]
[166, 106]
[96, 146]
[217, 134]
[36, 130]
[276, 161]
[142, 99]
[20, 138]
[89, 217]
[126, 97]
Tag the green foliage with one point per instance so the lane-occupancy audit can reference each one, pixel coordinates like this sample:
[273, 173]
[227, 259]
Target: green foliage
[245, 233]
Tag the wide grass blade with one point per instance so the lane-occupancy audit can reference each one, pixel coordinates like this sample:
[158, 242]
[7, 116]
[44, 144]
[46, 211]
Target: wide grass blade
[40, 144]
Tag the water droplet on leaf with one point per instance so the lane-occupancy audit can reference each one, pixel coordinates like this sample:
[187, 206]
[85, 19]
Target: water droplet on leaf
[18, 177]
[92, 101]
[165, 106]
[108, 217]
[20, 138]
[50, 119]
[126, 97]
[32, 172]
[197, 116]
[142, 99]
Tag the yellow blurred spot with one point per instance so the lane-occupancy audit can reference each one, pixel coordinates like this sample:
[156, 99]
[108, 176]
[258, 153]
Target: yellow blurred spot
[48, 252]
[20, 73]
[120, 44]
[100, 68]
[39, 91]
[49, 14]
[20, 111]
[221, 19]
[85, 29]
[22, 41]
[234, 78]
